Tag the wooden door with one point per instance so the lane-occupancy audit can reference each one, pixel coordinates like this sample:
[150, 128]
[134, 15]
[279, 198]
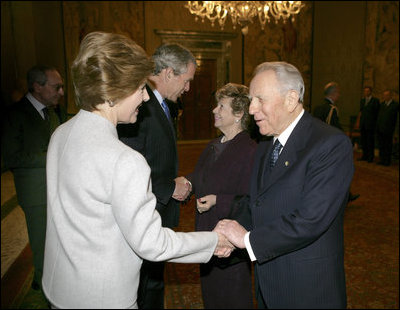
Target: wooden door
[197, 120]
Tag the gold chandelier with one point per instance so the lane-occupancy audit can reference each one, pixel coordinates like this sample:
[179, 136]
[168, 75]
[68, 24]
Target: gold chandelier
[243, 12]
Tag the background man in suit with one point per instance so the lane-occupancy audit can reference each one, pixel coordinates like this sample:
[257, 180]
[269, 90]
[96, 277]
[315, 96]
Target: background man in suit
[297, 198]
[154, 136]
[329, 113]
[369, 108]
[386, 124]
[27, 130]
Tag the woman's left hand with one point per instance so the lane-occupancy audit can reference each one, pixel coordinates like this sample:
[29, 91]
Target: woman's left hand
[205, 203]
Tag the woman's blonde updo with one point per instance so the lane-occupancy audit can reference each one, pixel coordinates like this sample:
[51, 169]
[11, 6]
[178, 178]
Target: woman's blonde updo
[109, 67]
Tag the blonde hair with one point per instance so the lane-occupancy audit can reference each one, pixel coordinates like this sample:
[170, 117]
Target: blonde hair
[109, 67]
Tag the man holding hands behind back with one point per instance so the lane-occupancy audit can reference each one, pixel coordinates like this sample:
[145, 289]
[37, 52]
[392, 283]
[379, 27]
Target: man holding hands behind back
[299, 189]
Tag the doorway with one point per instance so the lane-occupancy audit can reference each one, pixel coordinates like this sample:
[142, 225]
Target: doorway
[212, 51]
[197, 121]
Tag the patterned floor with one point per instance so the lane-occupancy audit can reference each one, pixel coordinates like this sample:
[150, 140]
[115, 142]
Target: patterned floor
[371, 243]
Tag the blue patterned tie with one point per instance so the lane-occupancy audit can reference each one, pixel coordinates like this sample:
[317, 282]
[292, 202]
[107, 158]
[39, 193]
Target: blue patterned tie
[275, 153]
[166, 110]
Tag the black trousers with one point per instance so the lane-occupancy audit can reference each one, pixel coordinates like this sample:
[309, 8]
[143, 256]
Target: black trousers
[151, 285]
[368, 144]
[35, 217]
[385, 144]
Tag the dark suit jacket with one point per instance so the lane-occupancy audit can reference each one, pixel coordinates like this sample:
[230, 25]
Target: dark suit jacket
[297, 234]
[387, 118]
[369, 113]
[24, 143]
[153, 136]
[322, 112]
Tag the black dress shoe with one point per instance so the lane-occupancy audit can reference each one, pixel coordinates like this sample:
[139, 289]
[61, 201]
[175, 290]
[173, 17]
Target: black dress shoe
[35, 286]
[353, 197]
[361, 159]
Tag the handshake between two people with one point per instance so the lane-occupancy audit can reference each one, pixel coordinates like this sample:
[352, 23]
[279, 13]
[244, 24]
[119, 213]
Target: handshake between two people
[230, 236]
[230, 233]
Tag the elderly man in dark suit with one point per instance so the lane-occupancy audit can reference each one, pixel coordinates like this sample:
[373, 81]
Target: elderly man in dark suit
[298, 195]
[328, 111]
[386, 124]
[153, 135]
[25, 138]
[369, 108]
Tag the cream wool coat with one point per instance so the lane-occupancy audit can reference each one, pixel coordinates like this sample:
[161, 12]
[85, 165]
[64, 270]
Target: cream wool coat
[101, 219]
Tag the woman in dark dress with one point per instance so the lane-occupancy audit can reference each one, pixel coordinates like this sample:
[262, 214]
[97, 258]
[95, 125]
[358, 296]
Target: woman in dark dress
[220, 177]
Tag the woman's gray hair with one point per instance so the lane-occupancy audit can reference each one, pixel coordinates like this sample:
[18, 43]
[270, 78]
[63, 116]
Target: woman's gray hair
[173, 56]
[288, 76]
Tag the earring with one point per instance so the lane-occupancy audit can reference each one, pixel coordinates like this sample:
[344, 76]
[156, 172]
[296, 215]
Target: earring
[237, 120]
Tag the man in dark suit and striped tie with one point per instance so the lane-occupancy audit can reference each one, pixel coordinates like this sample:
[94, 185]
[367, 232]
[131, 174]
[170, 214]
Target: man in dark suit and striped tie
[27, 130]
[153, 135]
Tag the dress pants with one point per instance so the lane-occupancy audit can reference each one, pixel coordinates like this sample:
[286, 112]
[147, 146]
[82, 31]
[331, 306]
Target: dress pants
[385, 142]
[151, 285]
[368, 144]
[35, 217]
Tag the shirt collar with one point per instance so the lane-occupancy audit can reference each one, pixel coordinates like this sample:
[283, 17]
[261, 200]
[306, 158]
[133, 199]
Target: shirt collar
[284, 136]
[330, 100]
[158, 96]
[36, 103]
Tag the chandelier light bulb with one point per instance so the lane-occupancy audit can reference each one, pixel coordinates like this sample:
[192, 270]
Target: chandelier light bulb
[243, 12]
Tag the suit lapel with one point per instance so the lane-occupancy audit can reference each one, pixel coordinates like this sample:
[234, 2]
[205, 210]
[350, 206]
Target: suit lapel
[160, 114]
[289, 154]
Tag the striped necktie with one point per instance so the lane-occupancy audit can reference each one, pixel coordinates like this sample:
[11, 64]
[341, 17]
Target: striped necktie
[51, 117]
[275, 153]
[166, 110]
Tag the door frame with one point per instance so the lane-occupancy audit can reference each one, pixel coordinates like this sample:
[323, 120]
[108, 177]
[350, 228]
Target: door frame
[205, 45]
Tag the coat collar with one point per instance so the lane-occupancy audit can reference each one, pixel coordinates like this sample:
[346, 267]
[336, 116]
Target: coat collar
[289, 155]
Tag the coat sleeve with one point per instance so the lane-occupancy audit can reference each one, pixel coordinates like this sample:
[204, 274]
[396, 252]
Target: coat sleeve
[323, 192]
[133, 206]
[14, 148]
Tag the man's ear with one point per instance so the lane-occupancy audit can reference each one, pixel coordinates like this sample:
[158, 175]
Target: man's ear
[291, 100]
[36, 87]
[168, 73]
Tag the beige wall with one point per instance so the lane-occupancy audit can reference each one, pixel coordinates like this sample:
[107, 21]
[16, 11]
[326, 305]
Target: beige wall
[31, 33]
[338, 43]
[348, 41]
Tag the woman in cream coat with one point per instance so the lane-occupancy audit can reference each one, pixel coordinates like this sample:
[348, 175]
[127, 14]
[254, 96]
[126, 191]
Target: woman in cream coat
[101, 218]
